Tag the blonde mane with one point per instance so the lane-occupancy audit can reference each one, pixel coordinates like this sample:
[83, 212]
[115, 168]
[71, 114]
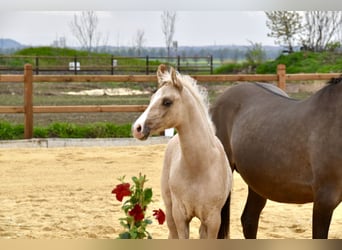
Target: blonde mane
[199, 93]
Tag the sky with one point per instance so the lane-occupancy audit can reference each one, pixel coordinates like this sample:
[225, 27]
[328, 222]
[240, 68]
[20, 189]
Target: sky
[192, 28]
[214, 22]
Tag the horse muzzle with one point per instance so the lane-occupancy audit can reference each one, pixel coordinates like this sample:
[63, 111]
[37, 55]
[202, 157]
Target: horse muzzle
[140, 132]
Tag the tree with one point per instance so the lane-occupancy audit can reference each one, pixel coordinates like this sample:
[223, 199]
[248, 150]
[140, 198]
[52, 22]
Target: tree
[322, 29]
[84, 28]
[168, 28]
[255, 54]
[285, 27]
[139, 41]
[59, 42]
[339, 35]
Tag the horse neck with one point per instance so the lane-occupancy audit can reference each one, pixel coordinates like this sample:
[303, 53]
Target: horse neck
[329, 96]
[196, 134]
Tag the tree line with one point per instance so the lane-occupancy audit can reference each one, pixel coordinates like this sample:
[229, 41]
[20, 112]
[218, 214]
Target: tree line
[311, 30]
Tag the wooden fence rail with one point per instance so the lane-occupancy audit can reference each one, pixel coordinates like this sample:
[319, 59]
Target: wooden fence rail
[28, 78]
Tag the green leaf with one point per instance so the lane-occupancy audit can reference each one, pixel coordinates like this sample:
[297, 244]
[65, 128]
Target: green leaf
[127, 206]
[148, 221]
[148, 195]
[135, 180]
[125, 235]
[134, 235]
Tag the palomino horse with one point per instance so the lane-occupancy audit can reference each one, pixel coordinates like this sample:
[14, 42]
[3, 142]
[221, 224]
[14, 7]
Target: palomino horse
[196, 177]
[285, 150]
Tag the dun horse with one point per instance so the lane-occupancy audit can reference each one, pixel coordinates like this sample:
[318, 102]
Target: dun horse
[196, 177]
[285, 150]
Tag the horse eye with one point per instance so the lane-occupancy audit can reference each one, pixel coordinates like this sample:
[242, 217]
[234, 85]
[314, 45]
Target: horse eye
[167, 102]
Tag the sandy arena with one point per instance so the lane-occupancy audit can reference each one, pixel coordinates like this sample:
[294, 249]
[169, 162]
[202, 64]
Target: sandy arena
[65, 192]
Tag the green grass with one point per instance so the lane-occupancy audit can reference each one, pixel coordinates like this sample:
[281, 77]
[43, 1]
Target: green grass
[60, 57]
[305, 62]
[298, 62]
[10, 131]
[231, 68]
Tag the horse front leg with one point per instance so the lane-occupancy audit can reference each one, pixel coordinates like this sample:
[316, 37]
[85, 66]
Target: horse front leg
[173, 234]
[210, 226]
[251, 213]
[181, 222]
[323, 208]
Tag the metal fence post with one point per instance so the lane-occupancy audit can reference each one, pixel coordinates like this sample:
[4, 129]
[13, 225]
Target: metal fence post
[37, 65]
[111, 64]
[211, 65]
[147, 66]
[28, 101]
[75, 65]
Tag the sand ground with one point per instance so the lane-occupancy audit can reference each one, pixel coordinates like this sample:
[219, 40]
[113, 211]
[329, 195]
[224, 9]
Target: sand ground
[57, 193]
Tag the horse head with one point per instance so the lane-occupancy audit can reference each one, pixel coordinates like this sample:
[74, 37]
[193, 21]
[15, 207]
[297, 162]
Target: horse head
[165, 109]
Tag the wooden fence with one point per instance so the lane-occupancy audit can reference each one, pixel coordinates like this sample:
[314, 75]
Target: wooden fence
[28, 78]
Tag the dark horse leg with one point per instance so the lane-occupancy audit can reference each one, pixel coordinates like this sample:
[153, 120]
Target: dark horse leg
[251, 213]
[323, 208]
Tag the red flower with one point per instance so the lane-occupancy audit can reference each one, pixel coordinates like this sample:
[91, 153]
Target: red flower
[159, 215]
[137, 213]
[121, 190]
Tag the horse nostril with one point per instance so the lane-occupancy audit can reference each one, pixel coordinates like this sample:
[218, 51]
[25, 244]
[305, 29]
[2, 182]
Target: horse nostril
[139, 128]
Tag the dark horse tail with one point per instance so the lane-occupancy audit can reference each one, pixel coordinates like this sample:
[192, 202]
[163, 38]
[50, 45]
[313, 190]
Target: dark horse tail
[225, 220]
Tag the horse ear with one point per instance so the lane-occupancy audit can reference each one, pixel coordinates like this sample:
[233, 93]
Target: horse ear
[175, 80]
[160, 72]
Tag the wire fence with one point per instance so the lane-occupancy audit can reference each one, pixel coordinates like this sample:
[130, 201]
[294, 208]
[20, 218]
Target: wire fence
[103, 65]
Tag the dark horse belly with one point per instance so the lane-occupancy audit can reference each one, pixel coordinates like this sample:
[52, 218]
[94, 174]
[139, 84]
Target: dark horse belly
[273, 173]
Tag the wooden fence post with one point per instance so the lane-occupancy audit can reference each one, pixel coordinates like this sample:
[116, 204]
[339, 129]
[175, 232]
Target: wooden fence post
[28, 102]
[281, 73]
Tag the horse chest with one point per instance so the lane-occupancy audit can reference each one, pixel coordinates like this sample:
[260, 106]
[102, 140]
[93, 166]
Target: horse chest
[184, 183]
[193, 186]
[189, 198]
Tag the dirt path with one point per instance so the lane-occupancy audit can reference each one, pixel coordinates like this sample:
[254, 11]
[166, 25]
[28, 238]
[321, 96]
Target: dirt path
[53, 193]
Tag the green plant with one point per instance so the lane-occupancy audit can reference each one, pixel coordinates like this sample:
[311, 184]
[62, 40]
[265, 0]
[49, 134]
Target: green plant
[10, 131]
[230, 68]
[135, 221]
[255, 54]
